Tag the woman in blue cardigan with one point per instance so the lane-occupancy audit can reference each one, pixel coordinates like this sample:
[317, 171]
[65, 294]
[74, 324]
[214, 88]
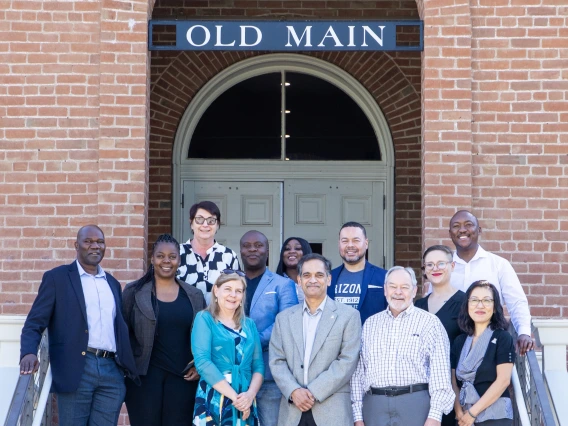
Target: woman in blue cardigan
[228, 357]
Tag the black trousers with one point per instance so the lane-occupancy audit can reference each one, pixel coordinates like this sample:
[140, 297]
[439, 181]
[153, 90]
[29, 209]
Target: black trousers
[307, 419]
[163, 399]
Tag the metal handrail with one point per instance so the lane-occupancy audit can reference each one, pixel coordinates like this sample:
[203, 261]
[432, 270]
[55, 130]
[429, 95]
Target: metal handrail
[24, 405]
[533, 388]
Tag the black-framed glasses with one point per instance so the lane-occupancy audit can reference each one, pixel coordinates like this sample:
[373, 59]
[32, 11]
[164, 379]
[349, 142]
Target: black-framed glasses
[485, 302]
[200, 220]
[233, 271]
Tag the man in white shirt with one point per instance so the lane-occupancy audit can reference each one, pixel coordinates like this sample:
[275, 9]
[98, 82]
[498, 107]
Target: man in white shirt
[403, 375]
[314, 350]
[473, 263]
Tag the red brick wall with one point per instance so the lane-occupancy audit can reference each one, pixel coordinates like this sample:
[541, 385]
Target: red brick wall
[392, 78]
[73, 142]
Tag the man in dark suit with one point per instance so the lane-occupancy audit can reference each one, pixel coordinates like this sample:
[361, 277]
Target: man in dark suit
[356, 282]
[80, 305]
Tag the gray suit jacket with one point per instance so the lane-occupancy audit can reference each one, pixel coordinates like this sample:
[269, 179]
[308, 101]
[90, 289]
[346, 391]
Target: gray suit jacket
[141, 319]
[333, 361]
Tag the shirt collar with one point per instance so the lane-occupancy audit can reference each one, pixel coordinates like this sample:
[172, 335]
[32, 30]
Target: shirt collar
[478, 254]
[318, 310]
[209, 250]
[406, 312]
[100, 272]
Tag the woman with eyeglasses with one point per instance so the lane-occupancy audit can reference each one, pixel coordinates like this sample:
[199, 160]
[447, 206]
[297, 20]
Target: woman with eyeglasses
[482, 360]
[445, 301]
[228, 357]
[160, 311]
[292, 251]
[203, 258]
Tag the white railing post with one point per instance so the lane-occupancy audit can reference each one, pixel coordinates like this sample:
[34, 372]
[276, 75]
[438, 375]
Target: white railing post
[552, 336]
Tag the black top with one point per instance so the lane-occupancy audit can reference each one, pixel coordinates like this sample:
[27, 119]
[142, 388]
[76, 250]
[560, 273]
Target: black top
[252, 284]
[500, 350]
[172, 343]
[448, 313]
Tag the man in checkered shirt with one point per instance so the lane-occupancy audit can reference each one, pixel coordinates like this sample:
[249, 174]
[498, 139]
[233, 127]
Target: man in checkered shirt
[403, 375]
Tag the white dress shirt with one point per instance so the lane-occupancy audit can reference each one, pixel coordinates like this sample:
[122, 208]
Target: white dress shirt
[101, 309]
[310, 325]
[410, 349]
[499, 272]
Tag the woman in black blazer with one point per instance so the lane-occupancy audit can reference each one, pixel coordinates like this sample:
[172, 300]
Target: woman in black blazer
[482, 360]
[159, 310]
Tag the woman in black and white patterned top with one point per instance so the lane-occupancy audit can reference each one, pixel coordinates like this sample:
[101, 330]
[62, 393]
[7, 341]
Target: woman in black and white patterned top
[203, 258]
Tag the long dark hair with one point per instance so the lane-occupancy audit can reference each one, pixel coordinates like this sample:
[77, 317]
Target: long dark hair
[149, 275]
[306, 249]
[497, 322]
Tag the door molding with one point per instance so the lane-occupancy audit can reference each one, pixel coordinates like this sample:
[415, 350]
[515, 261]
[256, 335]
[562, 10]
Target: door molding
[278, 170]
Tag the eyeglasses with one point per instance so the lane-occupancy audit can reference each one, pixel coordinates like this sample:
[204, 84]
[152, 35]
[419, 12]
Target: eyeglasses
[210, 220]
[233, 271]
[440, 265]
[485, 302]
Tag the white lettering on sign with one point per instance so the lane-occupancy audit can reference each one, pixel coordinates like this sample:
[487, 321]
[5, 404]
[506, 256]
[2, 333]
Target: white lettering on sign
[219, 42]
[351, 35]
[243, 35]
[367, 30]
[206, 39]
[307, 32]
[330, 33]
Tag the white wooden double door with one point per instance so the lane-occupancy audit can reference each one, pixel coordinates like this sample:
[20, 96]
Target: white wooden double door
[310, 209]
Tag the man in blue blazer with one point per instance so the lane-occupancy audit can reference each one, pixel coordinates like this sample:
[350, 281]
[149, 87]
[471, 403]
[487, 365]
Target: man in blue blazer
[81, 307]
[267, 294]
[356, 282]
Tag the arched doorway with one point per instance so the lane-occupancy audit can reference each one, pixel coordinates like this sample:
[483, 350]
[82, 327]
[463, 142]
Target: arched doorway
[307, 184]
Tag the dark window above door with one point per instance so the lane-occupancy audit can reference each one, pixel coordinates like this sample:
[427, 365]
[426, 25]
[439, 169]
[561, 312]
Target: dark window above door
[287, 116]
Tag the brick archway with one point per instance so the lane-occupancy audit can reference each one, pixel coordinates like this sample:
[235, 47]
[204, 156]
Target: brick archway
[391, 79]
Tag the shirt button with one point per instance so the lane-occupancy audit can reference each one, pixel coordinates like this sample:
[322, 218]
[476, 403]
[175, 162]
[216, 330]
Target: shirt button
[83, 353]
[86, 331]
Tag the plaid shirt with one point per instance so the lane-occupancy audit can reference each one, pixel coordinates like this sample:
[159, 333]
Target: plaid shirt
[409, 349]
[202, 273]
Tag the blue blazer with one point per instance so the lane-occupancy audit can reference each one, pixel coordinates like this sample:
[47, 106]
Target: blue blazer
[60, 306]
[372, 299]
[273, 294]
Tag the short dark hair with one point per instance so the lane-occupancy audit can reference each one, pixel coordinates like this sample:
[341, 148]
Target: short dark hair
[439, 247]
[354, 225]
[314, 256]
[306, 249]
[497, 322]
[209, 206]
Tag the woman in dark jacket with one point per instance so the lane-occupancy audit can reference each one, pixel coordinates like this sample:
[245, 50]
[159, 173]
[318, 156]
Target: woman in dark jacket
[159, 310]
[482, 360]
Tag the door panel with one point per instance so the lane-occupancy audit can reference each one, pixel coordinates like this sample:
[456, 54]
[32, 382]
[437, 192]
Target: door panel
[316, 209]
[244, 206]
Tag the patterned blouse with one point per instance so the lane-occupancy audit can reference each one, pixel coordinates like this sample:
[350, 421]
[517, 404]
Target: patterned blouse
[202, 273]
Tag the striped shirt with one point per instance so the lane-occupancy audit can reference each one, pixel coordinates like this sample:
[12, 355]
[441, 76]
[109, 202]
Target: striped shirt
[409, 349]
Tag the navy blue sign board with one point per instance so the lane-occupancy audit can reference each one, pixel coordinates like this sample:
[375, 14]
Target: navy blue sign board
[286, 36]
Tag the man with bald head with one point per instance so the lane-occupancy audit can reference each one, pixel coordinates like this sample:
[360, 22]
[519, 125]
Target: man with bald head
[473, 263]
[80, 305]
[267, 294]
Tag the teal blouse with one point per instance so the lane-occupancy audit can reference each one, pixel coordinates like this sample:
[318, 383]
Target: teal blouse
[214, 352]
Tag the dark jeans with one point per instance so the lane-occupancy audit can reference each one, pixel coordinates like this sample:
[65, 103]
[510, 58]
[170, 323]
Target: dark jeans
[162, 399]
[98, 399]
[307, 419]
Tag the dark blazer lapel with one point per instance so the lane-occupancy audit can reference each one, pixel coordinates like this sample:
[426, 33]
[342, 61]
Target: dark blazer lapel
[297, 327]
[328, 317]
[367, 275]
[264, 281]
[75, 279]
[143, 299]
